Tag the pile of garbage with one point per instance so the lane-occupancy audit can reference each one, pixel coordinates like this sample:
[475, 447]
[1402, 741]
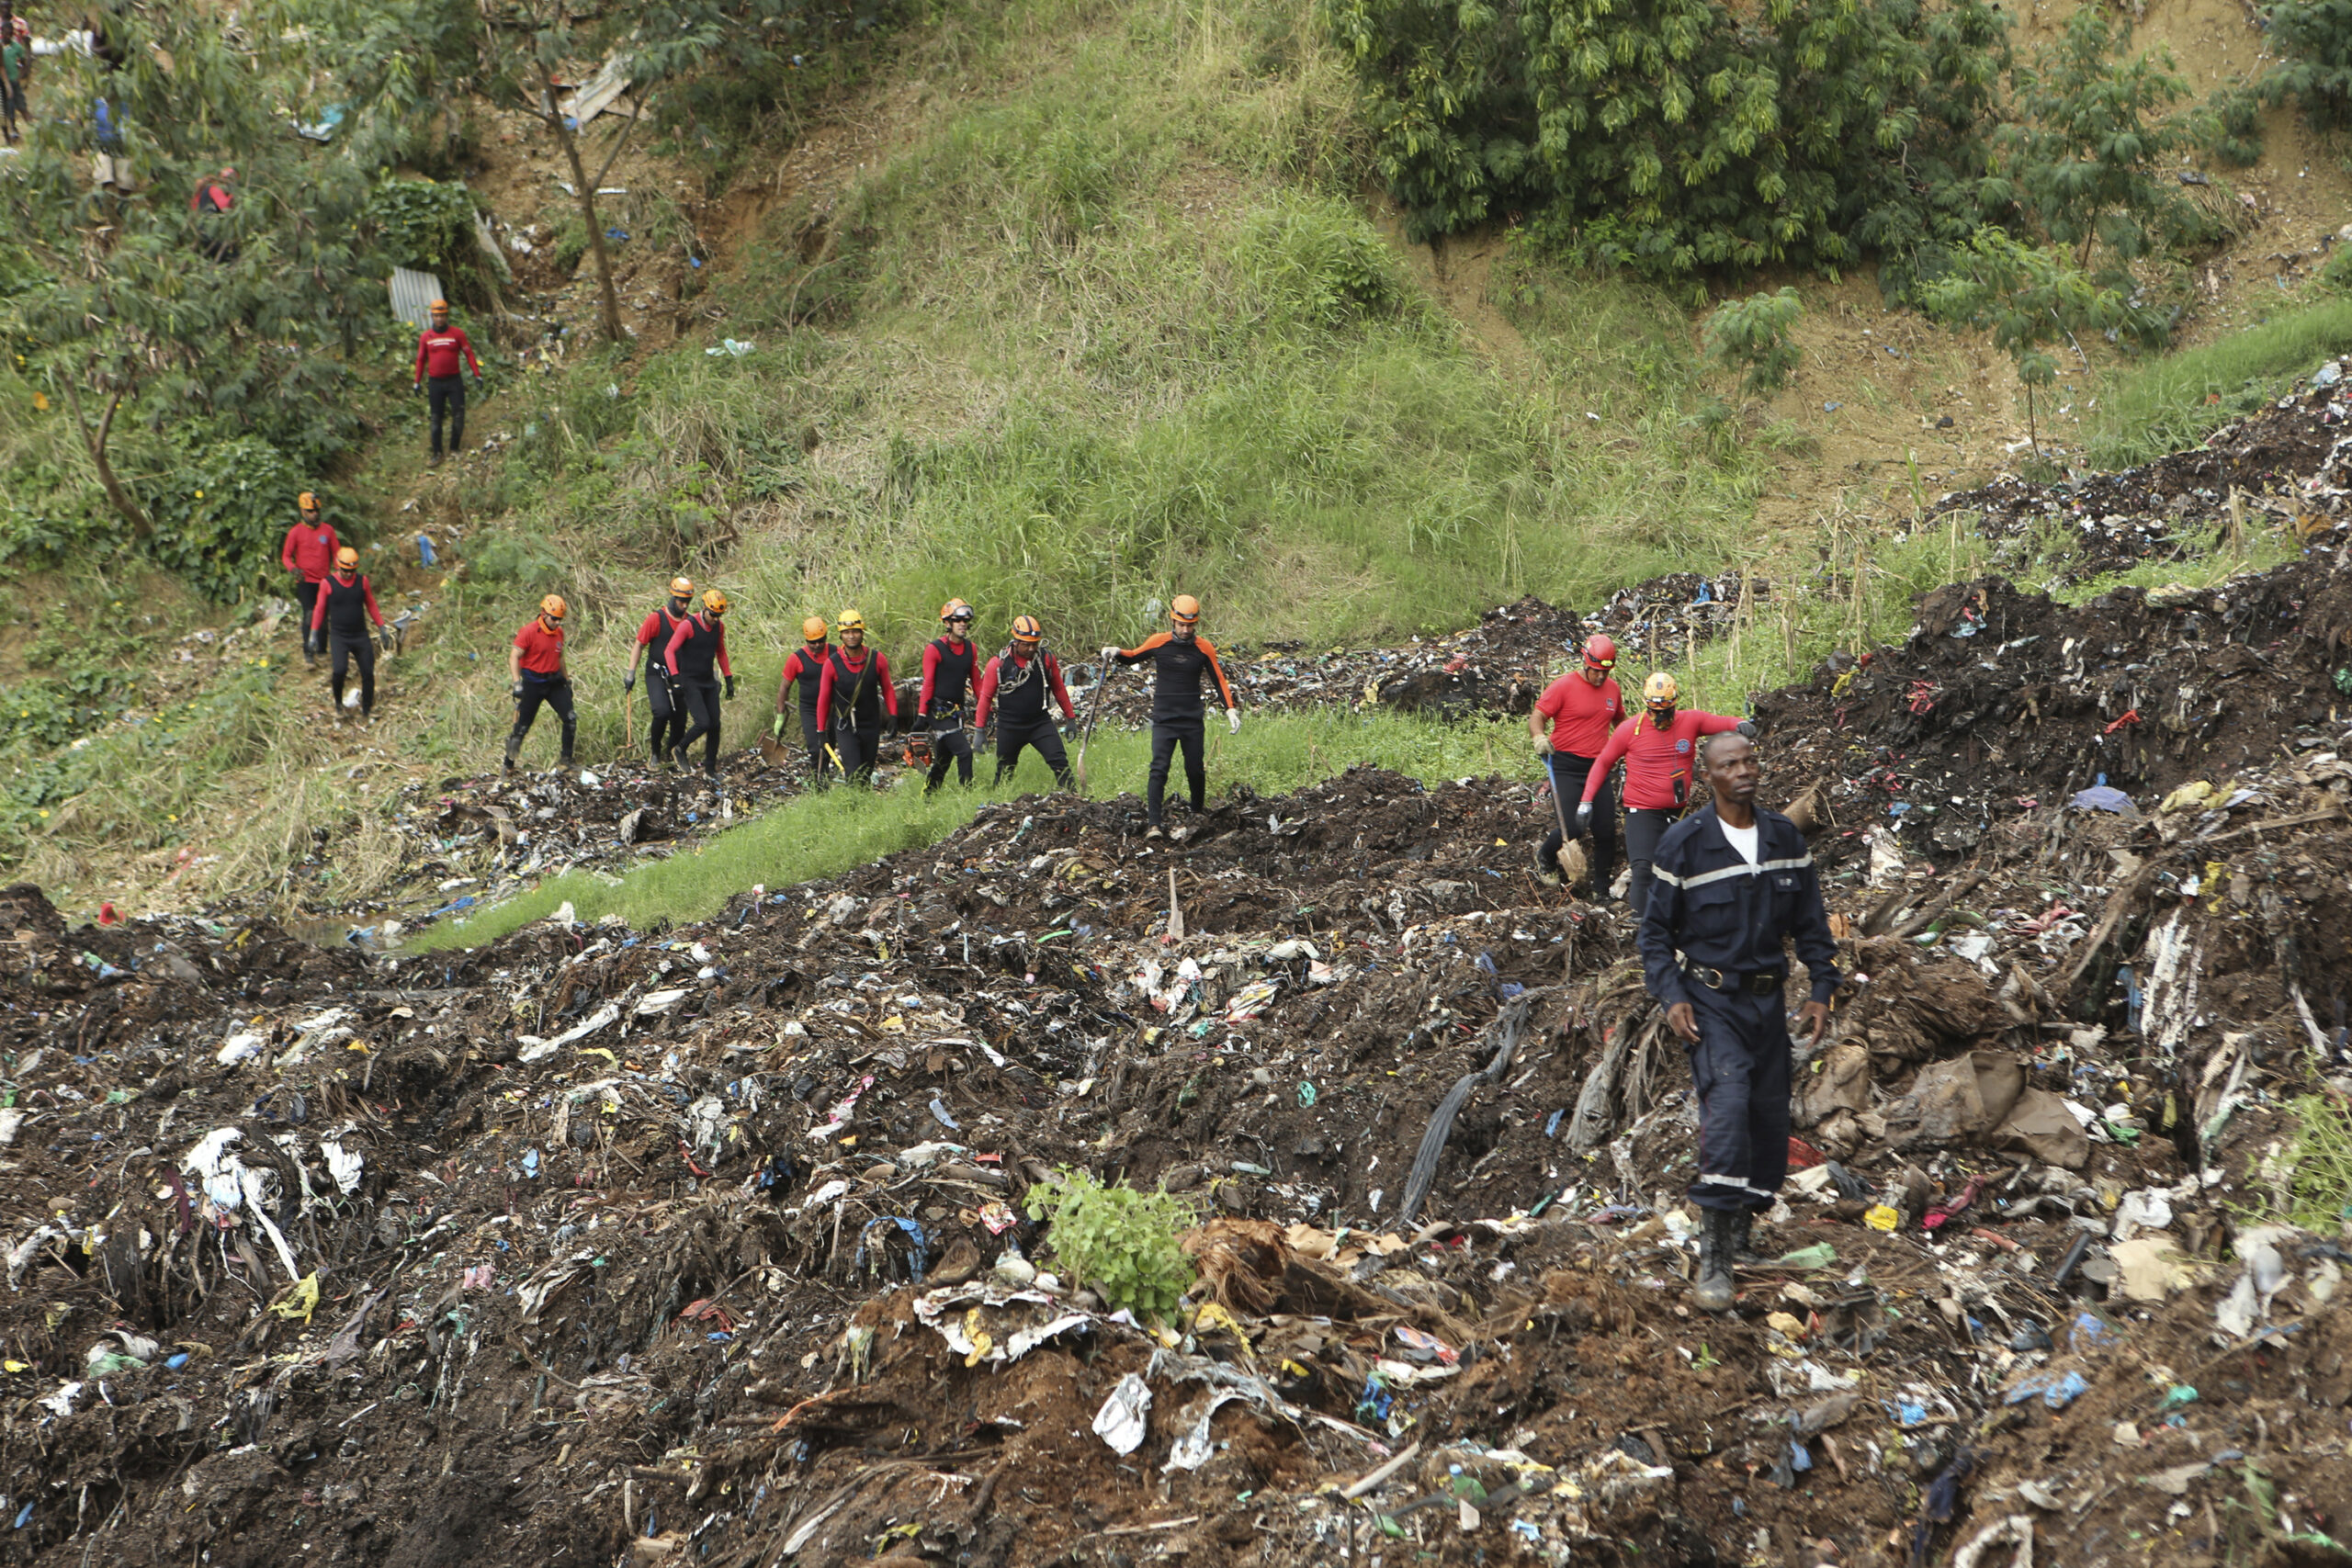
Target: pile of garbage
[2284, 466]
[736, 1245]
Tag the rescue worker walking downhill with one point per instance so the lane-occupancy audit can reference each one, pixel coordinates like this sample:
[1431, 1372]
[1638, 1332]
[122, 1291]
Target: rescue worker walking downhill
[1571, 724]
[442, 356]
[699, 642]
[947, 676]
[1659, 746]
[667, 722]
[1014, 685]
[1179, 659]
[535, 667]
[807, 666]
[309, 554]
[345, 605]
[853, 691]
[1734, 886]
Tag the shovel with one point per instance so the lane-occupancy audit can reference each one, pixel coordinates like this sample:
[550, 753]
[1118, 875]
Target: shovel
[1572, 865]
[628, 718]
[1086, 732]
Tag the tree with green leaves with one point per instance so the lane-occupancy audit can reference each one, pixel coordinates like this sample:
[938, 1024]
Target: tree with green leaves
[1753, 335]
[2030, 297]
[137, 305]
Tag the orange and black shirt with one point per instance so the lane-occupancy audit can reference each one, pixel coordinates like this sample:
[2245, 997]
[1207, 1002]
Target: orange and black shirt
[1177, 669]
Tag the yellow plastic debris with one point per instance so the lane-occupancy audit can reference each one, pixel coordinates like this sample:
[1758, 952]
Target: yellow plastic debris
[1881, 1218]
[301, 1301]
[2190, 796]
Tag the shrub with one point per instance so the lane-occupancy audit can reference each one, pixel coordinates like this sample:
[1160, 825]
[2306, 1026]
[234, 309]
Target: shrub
[428, 225]
[1117, 1240]
[2312, 41]
[1317, 262]
[220, 516]
[1752, 334]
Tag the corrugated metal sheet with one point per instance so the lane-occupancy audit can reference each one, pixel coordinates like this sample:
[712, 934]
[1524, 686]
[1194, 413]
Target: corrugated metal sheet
[413, 296]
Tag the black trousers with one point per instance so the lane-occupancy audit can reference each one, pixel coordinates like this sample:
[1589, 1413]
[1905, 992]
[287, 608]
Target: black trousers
[12, 106]
[821, 766]
[1740, 1067]
[1569, 772]
[1644, 826]
[1165, 739]
[860, 745]
[668, 725]
[555, 691]
[306, 593]
[361, 648]
[1040, 732]
[699, 698]
[949, 745]
[448, 395]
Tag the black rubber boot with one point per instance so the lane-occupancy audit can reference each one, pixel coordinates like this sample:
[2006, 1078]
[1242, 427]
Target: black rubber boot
[1712, 1290]
[514, 749]
[1743, 1246]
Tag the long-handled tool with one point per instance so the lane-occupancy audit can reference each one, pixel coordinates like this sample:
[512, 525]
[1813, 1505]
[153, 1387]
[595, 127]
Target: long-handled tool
[1569, 873]
[1086, 731]
[628, 718]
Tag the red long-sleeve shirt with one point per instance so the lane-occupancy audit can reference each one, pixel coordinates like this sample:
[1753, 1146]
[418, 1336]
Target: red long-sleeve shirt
[438, 350]
[688, 626]
[310, 551]
[1581, 713]
[849, 657]
[804, 666]
[994, 675]
[1659, 758]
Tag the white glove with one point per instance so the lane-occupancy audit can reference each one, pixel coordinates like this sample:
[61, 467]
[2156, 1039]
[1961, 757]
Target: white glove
[1112, 652]
[1233, 720]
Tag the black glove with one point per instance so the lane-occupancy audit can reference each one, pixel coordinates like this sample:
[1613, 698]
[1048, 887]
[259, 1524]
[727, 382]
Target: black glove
[731, 688]
[518, 691]
[628, 682]
[1746, 727]
[1583, 817]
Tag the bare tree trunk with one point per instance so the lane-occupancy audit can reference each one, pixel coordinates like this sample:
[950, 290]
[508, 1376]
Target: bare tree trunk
[569, 141]
[97, 442]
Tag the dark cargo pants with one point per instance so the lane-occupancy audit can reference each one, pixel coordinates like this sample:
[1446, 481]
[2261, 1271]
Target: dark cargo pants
[1741, 1065]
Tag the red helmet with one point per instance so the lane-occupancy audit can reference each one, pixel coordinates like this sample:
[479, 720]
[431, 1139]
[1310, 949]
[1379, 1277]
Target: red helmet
[1599, 653]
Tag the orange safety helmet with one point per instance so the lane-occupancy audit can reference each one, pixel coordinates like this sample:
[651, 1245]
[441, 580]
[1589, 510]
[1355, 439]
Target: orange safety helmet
[955, 609]
[1026, 630]
[347, 559]
[682, 588]
[813, 629]
[715, 601]
[1659, 692]
[439, 307]
[306, 501]
[551, 608]
[1185, 611]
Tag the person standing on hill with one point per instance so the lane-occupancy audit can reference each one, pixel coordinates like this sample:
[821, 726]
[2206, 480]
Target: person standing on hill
[310, 554]
[1570, 725]
[15, 65]
[1180, 658]
[947, 662]
[699, 642]
[442, 356]
[536, 667]
[807, 666]
[1015, 685]
[667, 720]
[1735, 886]
[345, 605]
[853, 694]
[1659, 746]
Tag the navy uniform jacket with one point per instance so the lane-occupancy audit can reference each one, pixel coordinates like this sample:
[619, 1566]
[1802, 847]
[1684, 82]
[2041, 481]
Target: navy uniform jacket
[1726, 914]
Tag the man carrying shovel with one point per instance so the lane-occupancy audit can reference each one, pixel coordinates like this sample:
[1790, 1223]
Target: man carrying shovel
[1570, 725]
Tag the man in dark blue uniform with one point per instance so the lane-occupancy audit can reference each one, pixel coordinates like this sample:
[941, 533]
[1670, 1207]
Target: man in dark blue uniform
[1734, 885]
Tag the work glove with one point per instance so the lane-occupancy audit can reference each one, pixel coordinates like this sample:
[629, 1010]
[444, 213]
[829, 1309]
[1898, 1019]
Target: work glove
[731, 688]
[628, 682]
[1543, 745]
[1746, 727]
[516, 691]
[1583, 817]
[1111, 653]
[1233, 721]
[418, 388]
[775, 728]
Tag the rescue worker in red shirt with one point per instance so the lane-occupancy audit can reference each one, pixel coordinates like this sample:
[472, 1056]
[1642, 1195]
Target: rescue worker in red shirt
[948, 676]
[1661, 746]
[699, 642]
[669, 720]
[1570, 725]
[346, 603]
[309, 554]
[807, 666]
[1180, 658]
[442, 356]
[853, 694]
[1014, 685]
[535, 667]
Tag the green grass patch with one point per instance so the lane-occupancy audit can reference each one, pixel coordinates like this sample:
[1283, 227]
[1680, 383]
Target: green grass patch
[826, 834]
[2319, 1194]
[2173, 402]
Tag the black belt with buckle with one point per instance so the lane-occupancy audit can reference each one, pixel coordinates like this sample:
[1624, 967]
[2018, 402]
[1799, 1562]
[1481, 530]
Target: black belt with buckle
[1763, 983]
